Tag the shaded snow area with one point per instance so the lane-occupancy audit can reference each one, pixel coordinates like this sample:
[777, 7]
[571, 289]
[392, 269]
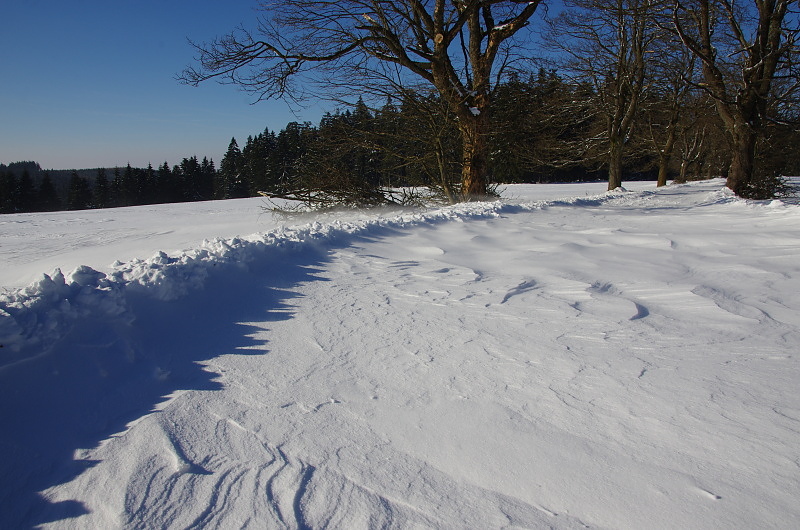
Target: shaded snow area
[562, 358]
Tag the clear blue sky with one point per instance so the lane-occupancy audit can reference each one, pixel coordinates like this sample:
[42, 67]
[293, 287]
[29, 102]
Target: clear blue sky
[91, 83]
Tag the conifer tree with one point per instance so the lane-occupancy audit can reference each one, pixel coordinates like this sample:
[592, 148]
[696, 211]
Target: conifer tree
[80, 194]
[116, 189]
[231, 168]
[8, 192]
[207, 175]
[26, 193]
[164, 184]
[102, 190]
[48, 200]
[190, 178]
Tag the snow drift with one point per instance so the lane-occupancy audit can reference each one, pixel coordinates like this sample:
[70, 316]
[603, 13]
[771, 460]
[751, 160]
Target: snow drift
[614, 360]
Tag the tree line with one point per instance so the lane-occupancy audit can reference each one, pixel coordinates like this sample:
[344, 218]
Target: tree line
[638, 71]
[351, 156]
[25, 187]
[543, 129]
[629, 88]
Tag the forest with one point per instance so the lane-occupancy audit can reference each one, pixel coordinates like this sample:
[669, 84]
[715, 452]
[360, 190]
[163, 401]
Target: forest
[624, 90]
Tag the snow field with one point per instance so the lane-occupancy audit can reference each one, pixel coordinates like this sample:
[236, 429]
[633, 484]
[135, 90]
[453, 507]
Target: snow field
[626, 360]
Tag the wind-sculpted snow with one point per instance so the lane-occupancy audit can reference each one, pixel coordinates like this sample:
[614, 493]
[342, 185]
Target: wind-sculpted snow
[604, 360]
[32, 318]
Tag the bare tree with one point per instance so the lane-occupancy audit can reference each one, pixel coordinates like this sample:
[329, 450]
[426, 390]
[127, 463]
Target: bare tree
[744, 47]
[672, 71]
[606, 43]
[460, 47]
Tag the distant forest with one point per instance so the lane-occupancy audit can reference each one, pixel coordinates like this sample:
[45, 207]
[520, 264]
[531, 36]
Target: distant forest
[409, 141]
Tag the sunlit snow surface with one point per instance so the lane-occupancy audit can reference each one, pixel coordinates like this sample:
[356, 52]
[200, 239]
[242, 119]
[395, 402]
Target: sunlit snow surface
[562, 358]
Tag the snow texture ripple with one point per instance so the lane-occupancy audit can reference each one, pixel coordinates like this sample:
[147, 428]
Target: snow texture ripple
[606, 360]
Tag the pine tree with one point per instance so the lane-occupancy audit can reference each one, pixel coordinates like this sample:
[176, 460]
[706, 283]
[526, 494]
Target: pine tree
[26, 193]
[48, 200]
[165, 185]
[102, 191]
[207, 175]
[256, 167]
[147, 185]
[116, 189]
[8, 192]
[191, 187]
[80, 194]
[232, 180]
[129, 187]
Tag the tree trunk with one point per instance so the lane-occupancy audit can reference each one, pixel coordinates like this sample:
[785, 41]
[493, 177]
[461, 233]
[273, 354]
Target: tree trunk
[665, 155]
[682, 175]
[663, 163]
[474, 132]
[615, 164]
[743, 149]
[443, 176]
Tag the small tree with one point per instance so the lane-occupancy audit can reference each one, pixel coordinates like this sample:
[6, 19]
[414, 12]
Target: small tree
[672, 72]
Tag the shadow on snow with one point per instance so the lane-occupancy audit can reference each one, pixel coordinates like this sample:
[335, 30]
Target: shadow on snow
[109, 371]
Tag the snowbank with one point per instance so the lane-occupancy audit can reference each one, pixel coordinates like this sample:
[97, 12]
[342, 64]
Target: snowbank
[33, 318]
[613, 360]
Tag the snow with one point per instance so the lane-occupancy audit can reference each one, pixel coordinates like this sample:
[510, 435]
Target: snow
[565, 358]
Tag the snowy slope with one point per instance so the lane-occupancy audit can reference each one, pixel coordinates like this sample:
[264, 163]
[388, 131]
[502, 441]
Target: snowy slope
[621, 360]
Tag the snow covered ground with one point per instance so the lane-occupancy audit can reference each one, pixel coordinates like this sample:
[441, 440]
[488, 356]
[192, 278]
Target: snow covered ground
[562, 358]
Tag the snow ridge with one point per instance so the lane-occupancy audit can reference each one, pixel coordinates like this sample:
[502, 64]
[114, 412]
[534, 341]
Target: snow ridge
[612, 361]
[33, 318]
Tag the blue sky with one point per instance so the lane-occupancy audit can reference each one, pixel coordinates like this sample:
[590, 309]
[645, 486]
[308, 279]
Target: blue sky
[90, 83]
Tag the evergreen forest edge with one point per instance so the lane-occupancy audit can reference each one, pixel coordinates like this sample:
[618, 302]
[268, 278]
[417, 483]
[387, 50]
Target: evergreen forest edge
[410, 142]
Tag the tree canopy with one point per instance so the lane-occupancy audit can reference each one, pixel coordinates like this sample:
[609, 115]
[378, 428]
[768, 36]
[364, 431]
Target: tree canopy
[461, 49]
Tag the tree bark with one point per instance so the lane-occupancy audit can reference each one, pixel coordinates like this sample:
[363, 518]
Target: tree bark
[474, 133]
[743, 159]
[664, 155]
[615, 164]
[741, 99]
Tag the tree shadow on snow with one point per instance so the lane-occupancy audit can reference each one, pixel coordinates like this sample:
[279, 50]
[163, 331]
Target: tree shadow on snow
[110, 371]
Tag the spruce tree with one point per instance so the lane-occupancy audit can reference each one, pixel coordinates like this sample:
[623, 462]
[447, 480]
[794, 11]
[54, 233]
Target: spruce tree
[102, 191]
[116, 189]
[207, 175]
[48, 200]
[8, 192]
[128, 190]
[165, 186]
[26, 193]
[147, 185]
[80, 194]
[232, 180]
[190, 179]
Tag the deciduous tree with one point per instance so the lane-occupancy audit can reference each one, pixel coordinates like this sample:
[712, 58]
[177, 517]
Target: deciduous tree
[459, 47]
[745, 48]
[607, 43]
